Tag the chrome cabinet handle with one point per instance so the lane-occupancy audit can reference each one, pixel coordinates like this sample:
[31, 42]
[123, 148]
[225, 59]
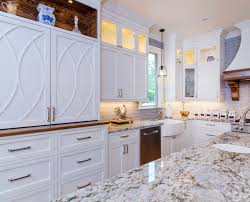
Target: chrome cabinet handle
[210, 124]
[19, 149]
[84, 161]
[124, 149]
[210, 135]
[125, 136]
[152, 133]
[83, 138]
[49, 114]
[19, 178]
[54, 113]
[83, 186]
[121, 93]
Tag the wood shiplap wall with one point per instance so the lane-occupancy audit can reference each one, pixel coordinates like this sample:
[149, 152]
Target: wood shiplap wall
[64, 13]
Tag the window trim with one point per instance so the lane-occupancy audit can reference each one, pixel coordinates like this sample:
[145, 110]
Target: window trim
[156, 51]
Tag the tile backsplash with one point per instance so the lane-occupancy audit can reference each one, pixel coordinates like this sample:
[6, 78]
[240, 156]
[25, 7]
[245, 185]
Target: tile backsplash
[107, 110]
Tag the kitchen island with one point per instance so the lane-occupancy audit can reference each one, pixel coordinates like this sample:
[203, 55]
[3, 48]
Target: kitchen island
[202, 173]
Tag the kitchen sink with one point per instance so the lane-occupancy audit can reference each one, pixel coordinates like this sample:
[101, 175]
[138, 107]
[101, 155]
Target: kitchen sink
[173, 127]
[232, 148]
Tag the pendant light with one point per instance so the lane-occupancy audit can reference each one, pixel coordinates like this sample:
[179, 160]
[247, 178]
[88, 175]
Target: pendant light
[162, 72]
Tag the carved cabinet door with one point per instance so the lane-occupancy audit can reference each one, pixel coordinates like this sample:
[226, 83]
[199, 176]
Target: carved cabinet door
[24, 74]
[75, 78]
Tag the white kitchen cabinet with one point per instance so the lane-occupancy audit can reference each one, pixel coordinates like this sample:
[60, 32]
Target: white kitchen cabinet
[203, 66]
[140, 77]
[43, 166]
[123, 75]
[206, 130]
[24, 73]
[123, 152]
[125, 79]
[74, 78]
[176, 143]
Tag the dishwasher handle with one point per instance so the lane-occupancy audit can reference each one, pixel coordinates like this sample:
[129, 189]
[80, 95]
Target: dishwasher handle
[152, 133]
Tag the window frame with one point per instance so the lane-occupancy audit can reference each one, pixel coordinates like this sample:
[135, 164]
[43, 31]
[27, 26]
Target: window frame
[156, 51]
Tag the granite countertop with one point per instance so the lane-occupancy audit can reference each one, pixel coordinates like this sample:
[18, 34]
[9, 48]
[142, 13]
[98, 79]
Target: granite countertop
[114, 128]
[201, 173]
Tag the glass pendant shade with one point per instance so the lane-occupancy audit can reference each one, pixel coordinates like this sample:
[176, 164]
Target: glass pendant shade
[162, 71]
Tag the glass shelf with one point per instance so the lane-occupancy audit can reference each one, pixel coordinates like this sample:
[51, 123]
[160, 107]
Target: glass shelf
[189, 83]
[109, 32]
[207, 55]
[128, 39]
[190, 57]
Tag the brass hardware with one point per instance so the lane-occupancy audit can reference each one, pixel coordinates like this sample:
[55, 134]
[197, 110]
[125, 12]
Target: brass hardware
[19, 178]
[19, 149]
[54, 113]
[83, 138]
[83, 186]
[49, 114]
[84, 161]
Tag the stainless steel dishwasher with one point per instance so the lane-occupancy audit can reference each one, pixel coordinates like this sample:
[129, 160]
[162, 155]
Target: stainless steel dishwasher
[150, 147]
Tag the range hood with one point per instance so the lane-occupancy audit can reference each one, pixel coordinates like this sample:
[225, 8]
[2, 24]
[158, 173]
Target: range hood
[239, 69]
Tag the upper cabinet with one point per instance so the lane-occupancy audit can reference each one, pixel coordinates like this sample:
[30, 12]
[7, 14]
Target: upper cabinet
[126, 35]
[48, 75]
[109, 32]
[123, 59]
[203, 66]
[190, 57]
[128, 39]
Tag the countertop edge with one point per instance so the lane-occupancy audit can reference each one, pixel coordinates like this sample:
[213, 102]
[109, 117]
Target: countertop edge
[49, 128]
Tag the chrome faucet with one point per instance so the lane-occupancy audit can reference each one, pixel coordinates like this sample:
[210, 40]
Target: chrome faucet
[243, 117]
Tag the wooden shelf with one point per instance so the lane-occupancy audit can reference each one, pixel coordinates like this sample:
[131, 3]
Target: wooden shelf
[64, 13]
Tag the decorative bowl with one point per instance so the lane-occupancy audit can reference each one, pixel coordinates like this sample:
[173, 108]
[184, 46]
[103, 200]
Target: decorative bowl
[184, 113]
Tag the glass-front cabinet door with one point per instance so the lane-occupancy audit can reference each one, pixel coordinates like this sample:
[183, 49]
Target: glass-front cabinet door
[128, 39]
[109, 32]
[208, 55]
[142, 43]
[189, 83]
[190, 57]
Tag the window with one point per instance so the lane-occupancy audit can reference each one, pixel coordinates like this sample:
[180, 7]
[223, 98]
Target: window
[152, 101]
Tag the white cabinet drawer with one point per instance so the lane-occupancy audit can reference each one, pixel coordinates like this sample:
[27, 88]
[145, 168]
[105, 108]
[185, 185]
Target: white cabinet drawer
[26, 175]
[72, 163]
[41, 195]
[81, 138]
[81, 182]
[17, 148]
[124, 136]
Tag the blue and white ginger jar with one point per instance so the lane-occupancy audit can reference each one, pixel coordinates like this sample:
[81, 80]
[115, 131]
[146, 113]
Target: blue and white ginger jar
[46, 15]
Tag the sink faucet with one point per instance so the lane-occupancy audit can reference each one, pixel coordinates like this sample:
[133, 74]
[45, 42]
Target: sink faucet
[243, 117]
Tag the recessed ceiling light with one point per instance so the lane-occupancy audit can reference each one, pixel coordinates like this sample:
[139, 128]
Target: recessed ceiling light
[204, 19]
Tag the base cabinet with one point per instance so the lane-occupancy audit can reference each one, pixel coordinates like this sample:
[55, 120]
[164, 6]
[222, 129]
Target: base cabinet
[43, 167]
[123, 152]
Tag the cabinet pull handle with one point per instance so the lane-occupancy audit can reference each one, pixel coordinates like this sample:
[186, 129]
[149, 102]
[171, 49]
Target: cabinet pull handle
[210, 124]
[19, 149]
[127, 149]
[121, 93]
[152, 133]
[125, 136]
[210, 135]
[19, 178]
[83, 186]
[124, 149]
[83, 138]
[54, 113]
[49, 114]
[84, 161]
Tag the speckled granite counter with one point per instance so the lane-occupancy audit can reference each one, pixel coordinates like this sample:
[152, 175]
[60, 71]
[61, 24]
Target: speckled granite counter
[201, 173]
[113, 128]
